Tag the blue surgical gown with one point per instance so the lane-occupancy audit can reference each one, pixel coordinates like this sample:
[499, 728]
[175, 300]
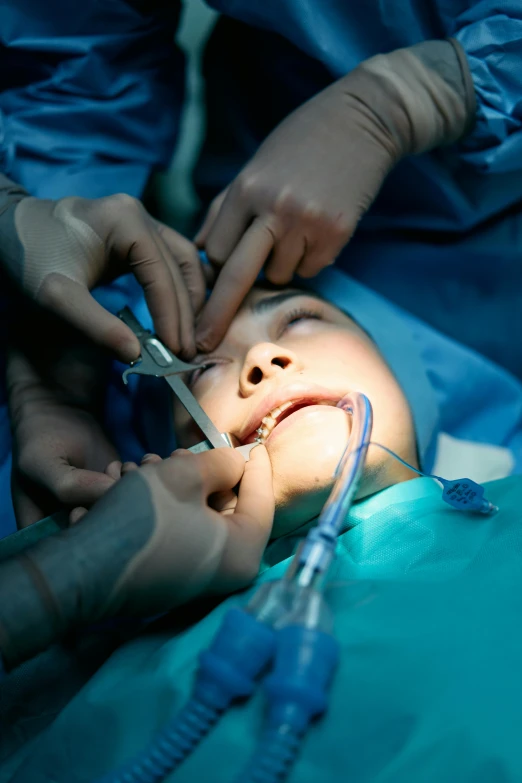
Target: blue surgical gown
[426, 603]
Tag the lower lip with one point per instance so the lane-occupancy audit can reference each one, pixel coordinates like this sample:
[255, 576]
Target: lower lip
[309, 410]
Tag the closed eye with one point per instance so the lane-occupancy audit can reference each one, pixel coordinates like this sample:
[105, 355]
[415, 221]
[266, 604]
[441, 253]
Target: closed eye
[206, 367]
[297, 315]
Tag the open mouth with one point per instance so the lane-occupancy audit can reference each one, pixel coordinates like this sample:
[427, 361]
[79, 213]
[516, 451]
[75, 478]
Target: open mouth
[273, 418]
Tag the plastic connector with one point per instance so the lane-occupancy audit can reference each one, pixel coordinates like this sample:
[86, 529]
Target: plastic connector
[296, 690]
[240, 651]
[304, 667]
[466, 495]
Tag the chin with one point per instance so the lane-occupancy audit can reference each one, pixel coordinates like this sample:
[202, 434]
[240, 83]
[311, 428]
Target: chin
[304, 458]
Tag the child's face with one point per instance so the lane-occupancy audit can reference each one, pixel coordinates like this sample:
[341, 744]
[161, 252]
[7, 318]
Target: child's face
[289, 348]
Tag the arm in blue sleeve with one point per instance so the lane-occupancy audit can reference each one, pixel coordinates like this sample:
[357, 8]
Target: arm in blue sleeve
[490, 33]
[91, 94]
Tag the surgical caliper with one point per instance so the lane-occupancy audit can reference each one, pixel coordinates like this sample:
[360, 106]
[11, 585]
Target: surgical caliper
[156, 359]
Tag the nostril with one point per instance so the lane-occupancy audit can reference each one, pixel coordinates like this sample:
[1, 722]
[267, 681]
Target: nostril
[255, 375]
[281, 361]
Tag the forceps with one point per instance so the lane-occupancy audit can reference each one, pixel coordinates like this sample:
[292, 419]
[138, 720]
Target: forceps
[156, 359]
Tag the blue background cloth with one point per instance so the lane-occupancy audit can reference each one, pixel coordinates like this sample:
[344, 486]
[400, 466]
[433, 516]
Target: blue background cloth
[90, 95]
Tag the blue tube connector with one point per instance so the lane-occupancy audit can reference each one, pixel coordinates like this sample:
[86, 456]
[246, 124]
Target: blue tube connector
[296, 691]
[304, 667]
[240, 651]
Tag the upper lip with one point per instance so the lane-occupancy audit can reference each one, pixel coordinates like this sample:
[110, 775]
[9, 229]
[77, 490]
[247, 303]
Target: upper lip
[293, 392]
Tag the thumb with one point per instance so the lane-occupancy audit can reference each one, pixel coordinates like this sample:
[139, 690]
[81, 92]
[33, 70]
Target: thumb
[249, 526]
[73, 302]
[255, 503]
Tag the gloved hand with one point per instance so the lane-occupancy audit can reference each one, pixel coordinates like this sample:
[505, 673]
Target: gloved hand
[59, 450]
[57, 251]
[151, 543]
[298, 201]
[225, 502]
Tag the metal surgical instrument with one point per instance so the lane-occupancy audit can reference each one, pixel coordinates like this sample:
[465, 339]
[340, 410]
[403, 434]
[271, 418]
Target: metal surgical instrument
[156, 359]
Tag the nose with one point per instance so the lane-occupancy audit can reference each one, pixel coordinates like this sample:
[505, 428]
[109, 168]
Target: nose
[262, 362]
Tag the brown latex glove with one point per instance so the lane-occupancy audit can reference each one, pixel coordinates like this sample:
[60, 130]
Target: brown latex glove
[298, 201]
[57, 251]
[60, 450]
[151, 543]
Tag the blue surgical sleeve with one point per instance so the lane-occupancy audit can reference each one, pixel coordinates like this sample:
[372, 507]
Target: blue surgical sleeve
[491, 35]
[90, 94]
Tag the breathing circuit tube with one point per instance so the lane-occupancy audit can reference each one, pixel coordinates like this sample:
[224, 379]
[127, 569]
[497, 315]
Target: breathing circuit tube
[287, 623]
[306, 653]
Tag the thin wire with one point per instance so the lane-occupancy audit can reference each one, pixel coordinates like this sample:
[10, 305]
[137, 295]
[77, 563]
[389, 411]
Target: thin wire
[403, 461]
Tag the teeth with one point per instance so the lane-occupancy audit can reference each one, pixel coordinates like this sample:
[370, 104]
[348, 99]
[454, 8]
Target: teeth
[269, 421]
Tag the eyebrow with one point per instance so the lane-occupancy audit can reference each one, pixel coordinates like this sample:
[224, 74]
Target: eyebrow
[271, 302]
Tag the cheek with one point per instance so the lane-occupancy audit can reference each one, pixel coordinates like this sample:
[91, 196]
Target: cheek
[351, 360]
[303, 461]
[218, 400]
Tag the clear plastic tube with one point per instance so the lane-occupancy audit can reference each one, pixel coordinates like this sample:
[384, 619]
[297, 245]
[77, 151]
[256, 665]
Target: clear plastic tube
[350, 469]
[317, 551]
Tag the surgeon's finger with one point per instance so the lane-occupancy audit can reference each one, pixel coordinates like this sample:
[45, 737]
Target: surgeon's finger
[187, 341]
[255, 502]
[73, 302]
[319, 255]
[250, 524]
[224, 502]
[128, 467]
[77, 514]
[138, 246]
[234, 282]
[187, 257]
[204, 474]
[229, 226]
[286, 257]
[113, 469]
[150, 459]
[210, 217]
